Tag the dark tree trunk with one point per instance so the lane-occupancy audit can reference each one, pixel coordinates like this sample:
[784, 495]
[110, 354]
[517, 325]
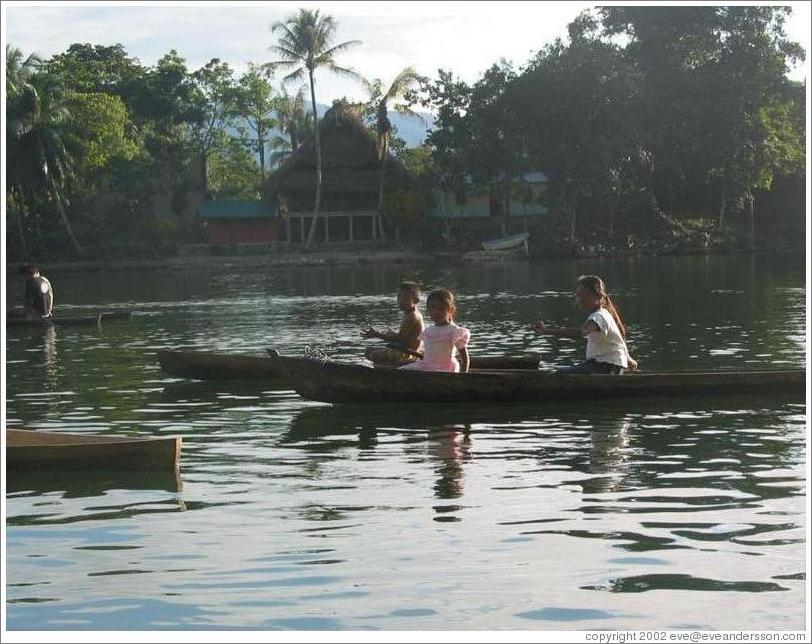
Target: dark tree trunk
[311, 235]
[751, 221]
[67, 225]
[381, 228]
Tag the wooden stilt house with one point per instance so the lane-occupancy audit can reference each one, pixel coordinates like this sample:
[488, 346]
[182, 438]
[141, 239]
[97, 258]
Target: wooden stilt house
[350, 181]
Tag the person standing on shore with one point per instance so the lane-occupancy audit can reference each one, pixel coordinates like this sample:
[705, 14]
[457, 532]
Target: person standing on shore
[39, 295]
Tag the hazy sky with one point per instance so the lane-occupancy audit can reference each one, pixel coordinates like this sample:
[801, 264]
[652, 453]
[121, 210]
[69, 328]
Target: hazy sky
[464, 37]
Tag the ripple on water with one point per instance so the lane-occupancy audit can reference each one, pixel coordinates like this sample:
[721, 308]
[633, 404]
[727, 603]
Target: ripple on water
[290, 514]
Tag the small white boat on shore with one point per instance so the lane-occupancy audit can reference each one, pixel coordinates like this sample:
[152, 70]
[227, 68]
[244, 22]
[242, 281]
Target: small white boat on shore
[507, 243]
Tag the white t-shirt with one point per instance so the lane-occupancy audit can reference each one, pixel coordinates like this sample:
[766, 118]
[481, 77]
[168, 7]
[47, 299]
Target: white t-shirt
[607, 344]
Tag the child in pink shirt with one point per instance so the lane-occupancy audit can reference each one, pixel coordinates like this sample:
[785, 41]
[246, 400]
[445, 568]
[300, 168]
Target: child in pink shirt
[443, 341]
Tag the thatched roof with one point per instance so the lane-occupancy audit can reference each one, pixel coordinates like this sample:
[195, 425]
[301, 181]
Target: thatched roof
[349, 159]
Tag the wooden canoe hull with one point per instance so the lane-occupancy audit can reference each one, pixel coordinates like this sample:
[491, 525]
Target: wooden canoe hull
[529, 361]
[204, 365]
[341, 382]
[29, 449]
[76, 320]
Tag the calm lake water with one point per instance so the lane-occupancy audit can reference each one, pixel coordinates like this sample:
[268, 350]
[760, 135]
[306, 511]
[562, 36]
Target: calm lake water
[679, 513]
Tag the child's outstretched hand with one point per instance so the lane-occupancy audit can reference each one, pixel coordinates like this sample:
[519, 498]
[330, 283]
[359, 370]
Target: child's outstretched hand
[633, 366]
[540, 328]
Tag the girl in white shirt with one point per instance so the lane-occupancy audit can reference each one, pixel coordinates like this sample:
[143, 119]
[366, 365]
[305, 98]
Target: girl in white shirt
[605, 333]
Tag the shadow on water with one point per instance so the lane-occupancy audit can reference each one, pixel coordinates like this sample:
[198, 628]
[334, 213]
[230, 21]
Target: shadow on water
[644, 583]
[70, 497]
[77, 484]
[348, 419]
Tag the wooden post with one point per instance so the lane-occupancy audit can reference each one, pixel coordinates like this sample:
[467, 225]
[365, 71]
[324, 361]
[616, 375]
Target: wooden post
[374, 225]
[301, 229]
[287, 229]
[350, 224]
[327, 227]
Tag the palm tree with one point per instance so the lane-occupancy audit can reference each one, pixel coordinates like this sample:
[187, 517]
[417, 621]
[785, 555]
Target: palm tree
[379, 101]
[19, 72]
[295, 121]
[305, 43]
[39, 162]
[21, 109]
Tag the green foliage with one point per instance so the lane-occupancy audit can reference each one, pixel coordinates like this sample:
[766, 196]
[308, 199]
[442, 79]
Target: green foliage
[405, 210]
[97, 68]
[235, 173]
[253, 106]
[658, 127]
[449, 99]
[101, 125]
[692, 113]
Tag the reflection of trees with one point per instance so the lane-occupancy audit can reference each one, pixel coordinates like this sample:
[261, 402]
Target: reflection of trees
[38, 349]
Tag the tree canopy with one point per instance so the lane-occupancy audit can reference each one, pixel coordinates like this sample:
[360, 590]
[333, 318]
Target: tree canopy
[649, 122]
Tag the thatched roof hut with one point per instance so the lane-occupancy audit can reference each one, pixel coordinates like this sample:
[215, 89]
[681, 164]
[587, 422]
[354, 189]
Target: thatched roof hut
[350, 167]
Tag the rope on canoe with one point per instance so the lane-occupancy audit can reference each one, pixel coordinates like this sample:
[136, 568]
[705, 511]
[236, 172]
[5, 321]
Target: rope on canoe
[315, 353]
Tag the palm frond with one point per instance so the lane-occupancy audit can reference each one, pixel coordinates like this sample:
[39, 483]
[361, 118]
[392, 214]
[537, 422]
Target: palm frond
[289, 56]
[403, 82]
[294, 75]
[288, 36]
[348, 72]
[340, 48]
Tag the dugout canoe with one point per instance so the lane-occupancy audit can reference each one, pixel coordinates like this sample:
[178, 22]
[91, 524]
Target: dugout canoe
[528, 361]
[204, 365]
[28, 449]
[69, 320]
[329, 381]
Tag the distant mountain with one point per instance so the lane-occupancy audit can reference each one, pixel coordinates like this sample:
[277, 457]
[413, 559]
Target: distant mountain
[411, 129]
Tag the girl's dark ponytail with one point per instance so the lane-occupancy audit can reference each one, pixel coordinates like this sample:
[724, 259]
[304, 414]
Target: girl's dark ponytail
[610, 306]
[596, 285]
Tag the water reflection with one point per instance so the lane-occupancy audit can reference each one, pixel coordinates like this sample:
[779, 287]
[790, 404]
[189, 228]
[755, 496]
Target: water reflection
[49, 356]
[298, 510]
[450, 446]
[87, 483]
[609, 455]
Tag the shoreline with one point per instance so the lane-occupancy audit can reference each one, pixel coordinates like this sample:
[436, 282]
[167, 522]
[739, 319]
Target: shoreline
[270, 259]
[336, 257]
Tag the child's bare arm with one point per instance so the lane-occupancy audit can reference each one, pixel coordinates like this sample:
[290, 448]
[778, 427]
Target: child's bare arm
[464, 359]
[371, 332]
[559, 331]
